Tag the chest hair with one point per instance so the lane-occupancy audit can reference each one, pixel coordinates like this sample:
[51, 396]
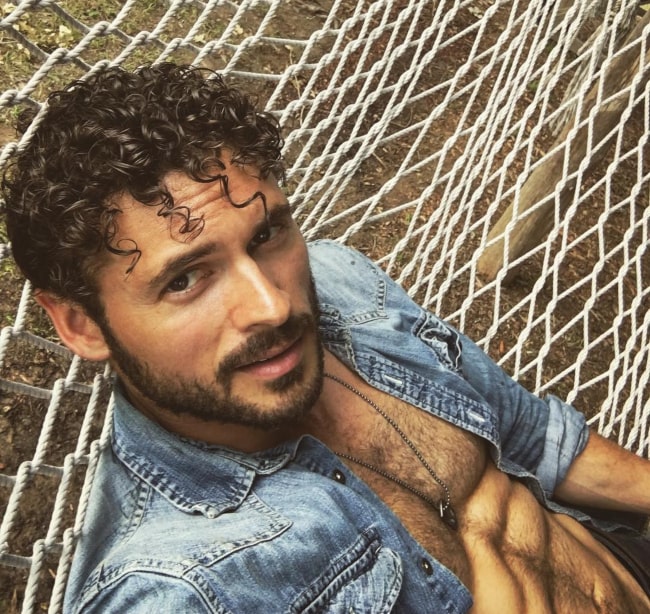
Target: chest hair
[457, 457]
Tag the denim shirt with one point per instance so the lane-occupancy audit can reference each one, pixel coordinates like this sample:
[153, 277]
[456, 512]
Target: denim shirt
[175, 525]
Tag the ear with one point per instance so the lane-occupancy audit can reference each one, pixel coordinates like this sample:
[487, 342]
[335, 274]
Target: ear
[75, 327]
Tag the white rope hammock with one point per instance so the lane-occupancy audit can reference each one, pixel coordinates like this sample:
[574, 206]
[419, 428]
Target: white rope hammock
[411, 128]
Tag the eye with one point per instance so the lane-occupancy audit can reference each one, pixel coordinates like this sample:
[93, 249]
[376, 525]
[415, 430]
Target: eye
[267, 233]
[184, 282]
[262, 237]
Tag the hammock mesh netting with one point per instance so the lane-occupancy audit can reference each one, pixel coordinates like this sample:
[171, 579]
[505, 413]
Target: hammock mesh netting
[492, 156]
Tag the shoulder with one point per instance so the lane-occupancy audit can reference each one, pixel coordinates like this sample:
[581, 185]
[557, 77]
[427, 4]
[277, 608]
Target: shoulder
[333, 262]
[350, 286]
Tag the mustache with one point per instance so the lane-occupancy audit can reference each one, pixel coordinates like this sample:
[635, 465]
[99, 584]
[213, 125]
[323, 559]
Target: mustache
[255, 348]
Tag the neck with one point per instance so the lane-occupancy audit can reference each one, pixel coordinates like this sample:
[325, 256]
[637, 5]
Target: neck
[234, 436]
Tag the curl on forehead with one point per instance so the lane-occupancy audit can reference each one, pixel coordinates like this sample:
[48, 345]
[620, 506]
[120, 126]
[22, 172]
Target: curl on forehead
[183, 223]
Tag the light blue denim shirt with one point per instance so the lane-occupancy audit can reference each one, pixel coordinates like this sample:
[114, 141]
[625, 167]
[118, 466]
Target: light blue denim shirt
[179, 526]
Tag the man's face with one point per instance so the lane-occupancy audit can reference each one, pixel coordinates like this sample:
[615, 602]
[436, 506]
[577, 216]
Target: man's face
[220, 326]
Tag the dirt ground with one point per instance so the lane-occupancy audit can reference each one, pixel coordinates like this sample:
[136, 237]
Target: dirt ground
[21, 415]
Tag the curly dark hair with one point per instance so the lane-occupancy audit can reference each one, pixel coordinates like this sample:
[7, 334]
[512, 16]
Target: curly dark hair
[121, 132]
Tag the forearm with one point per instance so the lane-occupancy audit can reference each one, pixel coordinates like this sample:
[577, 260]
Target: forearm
[607, 476]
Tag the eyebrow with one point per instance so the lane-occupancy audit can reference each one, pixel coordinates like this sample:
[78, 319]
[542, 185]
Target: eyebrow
[176, 265]
[274, 214]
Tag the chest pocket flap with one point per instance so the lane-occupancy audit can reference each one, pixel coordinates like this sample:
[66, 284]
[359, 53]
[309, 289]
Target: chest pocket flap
[369, 585]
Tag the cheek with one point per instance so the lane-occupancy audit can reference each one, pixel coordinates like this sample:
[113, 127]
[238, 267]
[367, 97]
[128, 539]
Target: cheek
[194, 331]
[298, 285]
[297, 267]
[177, 337]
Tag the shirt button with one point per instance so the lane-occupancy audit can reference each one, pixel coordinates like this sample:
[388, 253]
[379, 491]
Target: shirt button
[426, 567]
[339, 476]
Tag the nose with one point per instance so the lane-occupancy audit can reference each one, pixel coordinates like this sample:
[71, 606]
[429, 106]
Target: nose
[256, 299]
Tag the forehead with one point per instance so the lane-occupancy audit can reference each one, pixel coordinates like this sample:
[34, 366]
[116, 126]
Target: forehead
[202, 211]
[234, 188]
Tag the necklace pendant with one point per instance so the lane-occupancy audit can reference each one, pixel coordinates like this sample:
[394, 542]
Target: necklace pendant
[448, 516]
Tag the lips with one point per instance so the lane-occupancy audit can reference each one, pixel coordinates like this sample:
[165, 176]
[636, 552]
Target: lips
[269, 351]
[275, 352]
[275, 362]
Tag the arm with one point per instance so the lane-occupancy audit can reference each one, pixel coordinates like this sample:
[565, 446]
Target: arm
[607, 476]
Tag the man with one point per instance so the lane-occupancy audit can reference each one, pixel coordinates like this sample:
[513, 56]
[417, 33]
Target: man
[291, 432]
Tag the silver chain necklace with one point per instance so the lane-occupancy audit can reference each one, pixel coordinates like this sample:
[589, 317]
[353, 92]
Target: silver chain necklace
[442, 506]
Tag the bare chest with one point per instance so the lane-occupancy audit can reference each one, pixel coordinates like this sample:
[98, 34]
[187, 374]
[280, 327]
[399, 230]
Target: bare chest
[412, 460]
[403, 453]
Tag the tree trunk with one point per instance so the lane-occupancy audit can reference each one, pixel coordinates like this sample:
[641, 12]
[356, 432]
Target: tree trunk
[542, 184]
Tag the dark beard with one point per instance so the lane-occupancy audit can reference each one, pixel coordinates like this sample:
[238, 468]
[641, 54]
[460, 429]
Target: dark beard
[295, 392]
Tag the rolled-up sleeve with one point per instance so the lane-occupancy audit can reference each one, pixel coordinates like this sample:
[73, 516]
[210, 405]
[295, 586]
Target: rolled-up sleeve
[566, 436]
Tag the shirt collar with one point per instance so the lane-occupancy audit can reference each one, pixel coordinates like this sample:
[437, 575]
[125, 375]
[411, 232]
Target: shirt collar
[193, 476]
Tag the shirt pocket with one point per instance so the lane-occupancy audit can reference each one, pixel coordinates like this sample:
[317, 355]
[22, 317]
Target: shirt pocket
[366, 580]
